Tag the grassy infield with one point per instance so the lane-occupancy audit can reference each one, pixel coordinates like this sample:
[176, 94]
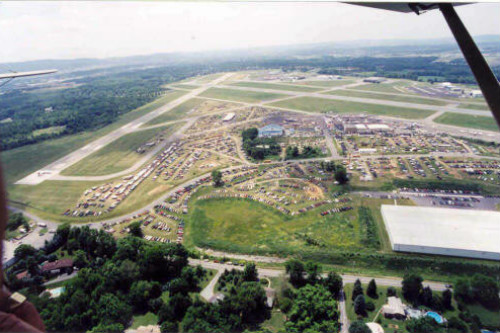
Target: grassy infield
[118, 155]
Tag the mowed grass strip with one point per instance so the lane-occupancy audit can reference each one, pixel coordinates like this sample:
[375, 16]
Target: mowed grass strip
[117, 155]
[22, 161]
[323, 105]
[381, 87]
[181, 111]
[483, 107]
[48, 199]
[185, 86]
[325, 84]
[240, 95]
[275, 86]
[178, 112]
[466, 120]
[395, 98]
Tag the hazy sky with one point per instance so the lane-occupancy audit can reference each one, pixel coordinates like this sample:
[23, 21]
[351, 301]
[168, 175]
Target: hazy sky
[54, 30]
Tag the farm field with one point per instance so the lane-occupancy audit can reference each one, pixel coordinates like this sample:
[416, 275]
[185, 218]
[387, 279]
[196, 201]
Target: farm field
[313, 104]
[240, 95]
[275, 86]
[119, 154]
[470, 121]
[22, 161]
[396, 98]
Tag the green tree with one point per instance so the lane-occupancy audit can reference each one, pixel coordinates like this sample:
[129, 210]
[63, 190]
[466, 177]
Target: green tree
[423, 325]
[217, 178]
[250, 134]
[360, 305]
[250, 273]
[80, 259]
[162, 262]
[456, 325]
[23, 251]
[107, 328]
[313, 271]
[249, 302]
[412, 287]
[426, 297]
[295, 268]
[169, 327]
[357, 289]
[341, 175]
[112, 310]
[313, 310]
[333, 282]
[135, 229]
[359, 326]
[462, 290]
[485, 290]
[141, 292]
[446, 299]
[371, 290]
[203, 317]
[63, 231]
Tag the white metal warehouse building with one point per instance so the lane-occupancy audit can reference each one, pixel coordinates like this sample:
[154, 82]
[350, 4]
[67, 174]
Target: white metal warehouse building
[443, 231]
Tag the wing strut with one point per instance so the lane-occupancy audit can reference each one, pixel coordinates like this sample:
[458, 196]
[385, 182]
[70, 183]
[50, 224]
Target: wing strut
[482, 72]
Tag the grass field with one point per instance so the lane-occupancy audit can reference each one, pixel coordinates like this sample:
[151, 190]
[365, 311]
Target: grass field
[325, 84]
[185, 86]
[473, 106]
[470, 121]
[119, 154]
[240, 95]
[387, 97]
[208, 78]
[381, 87]
[20, 162]
[313, 104]
[275, 86]
[488, 317]
[181, 110]
[48, 199]
[243, 225]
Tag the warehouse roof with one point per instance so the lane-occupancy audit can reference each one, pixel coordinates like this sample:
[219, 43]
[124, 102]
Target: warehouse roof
[443, 228]
[377, 126]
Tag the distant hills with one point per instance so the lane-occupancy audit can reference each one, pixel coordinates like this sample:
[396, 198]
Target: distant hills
[490, 44]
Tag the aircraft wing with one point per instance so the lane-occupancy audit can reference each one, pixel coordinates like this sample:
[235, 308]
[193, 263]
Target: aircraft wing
[403, 7]
[21, 74]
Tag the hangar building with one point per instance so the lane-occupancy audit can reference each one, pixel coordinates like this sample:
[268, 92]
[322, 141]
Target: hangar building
[443, 231]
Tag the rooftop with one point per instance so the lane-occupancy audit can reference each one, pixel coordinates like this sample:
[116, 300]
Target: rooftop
[444, 228]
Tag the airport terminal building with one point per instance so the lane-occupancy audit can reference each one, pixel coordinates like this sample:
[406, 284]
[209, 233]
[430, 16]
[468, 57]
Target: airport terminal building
[443, 231]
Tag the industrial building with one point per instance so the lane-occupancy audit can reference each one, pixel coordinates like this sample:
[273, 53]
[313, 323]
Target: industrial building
[270, 130]
[443, 231]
